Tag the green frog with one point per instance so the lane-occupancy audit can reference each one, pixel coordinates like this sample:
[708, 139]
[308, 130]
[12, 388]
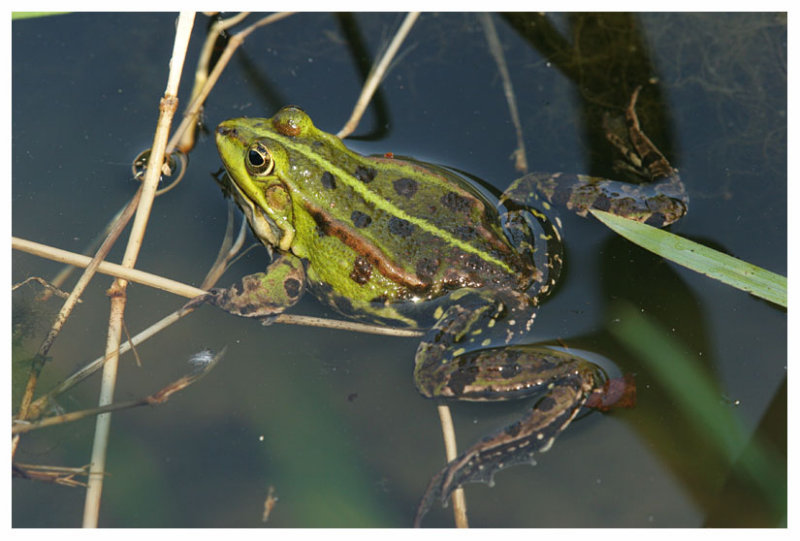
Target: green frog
[399, 242]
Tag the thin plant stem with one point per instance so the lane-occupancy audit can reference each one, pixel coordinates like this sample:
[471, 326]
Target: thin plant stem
[117, 291]
[201, 73]
[496, 48]
[105, 267]
[226, 252]
[58, 475]
[66, 310]
[376, 75]
[159, 397]
[451, 451]
[193, 111]
[190, 292]
[50, 288]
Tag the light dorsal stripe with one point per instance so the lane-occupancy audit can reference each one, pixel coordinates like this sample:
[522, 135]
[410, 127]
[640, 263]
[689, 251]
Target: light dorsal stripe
[383, 204]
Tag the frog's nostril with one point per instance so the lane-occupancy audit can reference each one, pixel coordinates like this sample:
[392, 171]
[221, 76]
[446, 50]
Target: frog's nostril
[226, 131]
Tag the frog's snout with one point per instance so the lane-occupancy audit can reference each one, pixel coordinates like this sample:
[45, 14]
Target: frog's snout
[226, 131]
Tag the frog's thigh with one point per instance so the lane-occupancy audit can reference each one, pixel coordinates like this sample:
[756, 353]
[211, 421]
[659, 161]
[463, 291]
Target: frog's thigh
[569, 380]
[565, 380]
[463, 324]
[263, 294]
[659, 203]
[501, 373]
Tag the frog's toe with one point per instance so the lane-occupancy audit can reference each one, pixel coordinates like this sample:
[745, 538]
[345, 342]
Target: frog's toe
[432, 493]
[517, 443]
[474, 466]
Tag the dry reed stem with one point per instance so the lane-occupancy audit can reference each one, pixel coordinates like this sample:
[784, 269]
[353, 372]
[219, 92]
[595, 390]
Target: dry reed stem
[187, 138]
[376, 75]
[495, 47]
[117, 292]
[458, 497]
[190, 292]
[66, 310]
[159, 397]
[193, 111]
[111, 269]
[176, 288]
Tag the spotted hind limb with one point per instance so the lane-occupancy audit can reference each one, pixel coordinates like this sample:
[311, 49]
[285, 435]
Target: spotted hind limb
[659, 199]
[538, 238]
[466, 325]
[263, 294]
[513, 372]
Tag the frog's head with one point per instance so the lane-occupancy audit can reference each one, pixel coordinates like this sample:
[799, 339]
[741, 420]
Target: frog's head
[258, 166]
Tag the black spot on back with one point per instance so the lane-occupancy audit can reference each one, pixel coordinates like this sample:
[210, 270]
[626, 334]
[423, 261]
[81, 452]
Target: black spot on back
[400, 227]
[455, 202]
[562, 193]
[426, 268]
[462, 377]
[365, 174]
[546, 404]
[343, 304]
[406, 187]
[602, 202]
[328, 181]
[360, 219]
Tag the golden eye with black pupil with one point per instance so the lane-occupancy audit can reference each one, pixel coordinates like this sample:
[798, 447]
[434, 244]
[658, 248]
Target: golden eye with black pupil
[259, 161]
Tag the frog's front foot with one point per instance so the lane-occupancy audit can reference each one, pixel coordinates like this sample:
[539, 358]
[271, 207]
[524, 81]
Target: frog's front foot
[262, 295]
[512, 372]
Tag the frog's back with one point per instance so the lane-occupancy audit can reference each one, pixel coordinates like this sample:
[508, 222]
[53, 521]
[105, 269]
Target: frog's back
[422, 229]
[382, 228]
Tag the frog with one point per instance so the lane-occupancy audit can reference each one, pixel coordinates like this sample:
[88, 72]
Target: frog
[399, 242]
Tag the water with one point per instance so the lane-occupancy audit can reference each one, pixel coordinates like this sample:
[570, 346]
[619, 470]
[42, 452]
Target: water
[332, 419]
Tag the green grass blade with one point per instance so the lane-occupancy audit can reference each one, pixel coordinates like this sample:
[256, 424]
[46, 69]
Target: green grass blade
[699, 396]
[17, 15]
[729, 270]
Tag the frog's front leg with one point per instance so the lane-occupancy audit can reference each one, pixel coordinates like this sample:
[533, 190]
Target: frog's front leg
[263, 294]
[444, 369]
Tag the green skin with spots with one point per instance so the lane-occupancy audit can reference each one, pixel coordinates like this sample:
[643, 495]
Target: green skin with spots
[400, 242]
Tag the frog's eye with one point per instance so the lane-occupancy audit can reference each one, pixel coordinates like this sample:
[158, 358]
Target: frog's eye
[259, 160]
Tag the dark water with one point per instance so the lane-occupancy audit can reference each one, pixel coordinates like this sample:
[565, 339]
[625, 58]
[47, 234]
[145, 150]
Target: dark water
[332, 419]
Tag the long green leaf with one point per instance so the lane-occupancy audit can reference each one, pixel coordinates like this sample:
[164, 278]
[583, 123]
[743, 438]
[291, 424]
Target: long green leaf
[699, 396]
[17, 15]
[699, 258]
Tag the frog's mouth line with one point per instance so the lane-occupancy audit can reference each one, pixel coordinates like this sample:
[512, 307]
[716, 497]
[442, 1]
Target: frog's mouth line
[264, 227]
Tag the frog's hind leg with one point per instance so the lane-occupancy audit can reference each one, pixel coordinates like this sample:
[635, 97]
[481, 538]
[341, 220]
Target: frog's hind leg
[658, 204]
[639, 151]
[537, 237]
[451, 364]
[659, 200]
[566, 381]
